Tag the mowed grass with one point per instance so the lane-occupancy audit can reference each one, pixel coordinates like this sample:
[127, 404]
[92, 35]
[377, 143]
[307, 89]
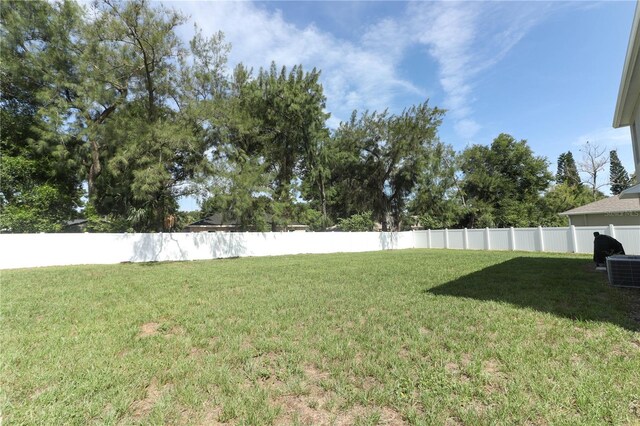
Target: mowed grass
[396, 337]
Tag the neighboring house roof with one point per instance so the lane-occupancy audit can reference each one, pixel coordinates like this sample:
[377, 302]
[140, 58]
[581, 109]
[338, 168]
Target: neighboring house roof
[76, 222]
[214, 220]
[630, 82]
[217, 221]
[613, 204]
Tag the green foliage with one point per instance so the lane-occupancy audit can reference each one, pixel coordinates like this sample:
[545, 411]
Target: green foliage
[567, 170]
[106, 96]
[618, 176]
[503, 183]
[377, 160]
[272, 125]
[358, 222]
[561, 198]
[437, 200]
[39, 182]
[41, 209]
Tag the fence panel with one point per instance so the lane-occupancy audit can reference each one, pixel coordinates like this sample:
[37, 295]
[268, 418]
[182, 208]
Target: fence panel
[456, 238]
[476, 239]
[557, 240]
[499, 239]
[526, 239]
[421, 239]
[29, 250]
[437, 238]
[584, 237]
[629, 237]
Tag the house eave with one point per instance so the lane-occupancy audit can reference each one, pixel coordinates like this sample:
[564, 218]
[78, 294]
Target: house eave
[633, 192]
[630, 82]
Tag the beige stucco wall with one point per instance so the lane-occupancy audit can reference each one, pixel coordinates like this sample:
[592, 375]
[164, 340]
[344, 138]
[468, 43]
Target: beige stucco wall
[616, 219]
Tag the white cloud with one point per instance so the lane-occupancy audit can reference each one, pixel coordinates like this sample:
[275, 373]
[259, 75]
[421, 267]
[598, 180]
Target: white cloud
[606, 137]
[354, 76]
[467, 128]
[466, 39]
[463, 38]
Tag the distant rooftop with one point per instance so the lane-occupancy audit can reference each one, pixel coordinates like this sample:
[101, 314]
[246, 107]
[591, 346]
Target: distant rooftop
[607, 205]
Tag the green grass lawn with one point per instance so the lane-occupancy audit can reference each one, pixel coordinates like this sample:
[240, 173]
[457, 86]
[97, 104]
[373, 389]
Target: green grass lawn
[396, 337]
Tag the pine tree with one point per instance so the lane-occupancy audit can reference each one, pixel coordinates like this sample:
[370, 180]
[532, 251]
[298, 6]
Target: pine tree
[618, 176]
[567, 170]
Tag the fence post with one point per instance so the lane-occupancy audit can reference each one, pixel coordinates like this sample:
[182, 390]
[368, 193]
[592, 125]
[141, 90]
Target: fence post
[465, 239]
[428, 238]
[541, 237]
[487, 237]
[612, 230]
[574, 240]
[446, 238]
[512, 237]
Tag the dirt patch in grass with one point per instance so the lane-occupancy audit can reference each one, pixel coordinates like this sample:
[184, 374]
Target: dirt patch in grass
[466, 359]
[149, 329]
[196, 352]
[176, 330]
[314, 374]
[369, 383]
[497, 378]
[318, 406]
[404, 353]
[452, 367]
[453, 421]
[141, 408]
[36, 393]
[455, 370]
[209, 416]
[477, 407]
[634, 408]
[492, 367]
[389, 416]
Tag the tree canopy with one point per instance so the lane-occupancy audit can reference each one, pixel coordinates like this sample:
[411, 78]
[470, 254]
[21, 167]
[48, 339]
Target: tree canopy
[108, 114]
[503, 183]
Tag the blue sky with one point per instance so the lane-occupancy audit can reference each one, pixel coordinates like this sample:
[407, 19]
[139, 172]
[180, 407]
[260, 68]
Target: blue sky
[547, 72]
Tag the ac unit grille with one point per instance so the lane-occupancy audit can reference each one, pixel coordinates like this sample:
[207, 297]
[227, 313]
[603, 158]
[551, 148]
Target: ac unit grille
[624, 271]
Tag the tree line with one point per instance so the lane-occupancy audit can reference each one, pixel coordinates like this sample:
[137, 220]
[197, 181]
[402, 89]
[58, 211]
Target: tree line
[107, 115]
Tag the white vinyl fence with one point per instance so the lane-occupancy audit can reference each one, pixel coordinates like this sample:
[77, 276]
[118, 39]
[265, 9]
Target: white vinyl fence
[30, 250]
[559, 240]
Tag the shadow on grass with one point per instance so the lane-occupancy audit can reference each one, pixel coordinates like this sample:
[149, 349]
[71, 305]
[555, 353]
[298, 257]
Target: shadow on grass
[568, 288]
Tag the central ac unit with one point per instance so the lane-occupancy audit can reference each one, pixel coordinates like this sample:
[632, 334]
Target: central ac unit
[624, 271]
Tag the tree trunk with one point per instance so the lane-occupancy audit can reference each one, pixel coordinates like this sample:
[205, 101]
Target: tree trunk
[323, 200]
[94, 169]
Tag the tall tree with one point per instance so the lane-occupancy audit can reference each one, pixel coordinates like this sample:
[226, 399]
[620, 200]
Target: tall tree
[618, 176]
[593, 161]
[292, 116]
[160, 136]
[438, 201]
[567, 170]
[379, 159]
[503, 183]
[86, 70]
[39, 164]
[273, 130]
